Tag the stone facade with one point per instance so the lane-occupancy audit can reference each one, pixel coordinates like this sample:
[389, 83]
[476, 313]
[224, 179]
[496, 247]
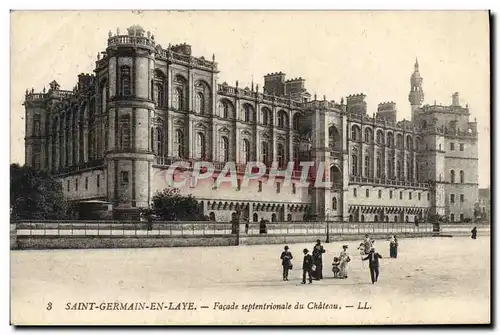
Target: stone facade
[114, 135]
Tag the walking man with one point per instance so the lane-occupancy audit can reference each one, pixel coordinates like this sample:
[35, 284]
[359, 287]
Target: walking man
[307, 266]
[373, 258]
[317, 255]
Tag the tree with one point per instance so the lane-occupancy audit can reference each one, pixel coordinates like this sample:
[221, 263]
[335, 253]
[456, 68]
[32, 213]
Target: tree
[35, 195]
[170, 205]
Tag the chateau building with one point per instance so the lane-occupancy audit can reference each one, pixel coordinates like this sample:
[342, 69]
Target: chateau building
[114, 135]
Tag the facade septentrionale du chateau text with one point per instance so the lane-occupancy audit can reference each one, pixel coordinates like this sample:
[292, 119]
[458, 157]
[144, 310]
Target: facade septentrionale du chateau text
[113, 136]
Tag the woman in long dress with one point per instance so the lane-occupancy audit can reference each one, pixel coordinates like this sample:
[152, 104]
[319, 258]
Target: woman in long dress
[344, 260]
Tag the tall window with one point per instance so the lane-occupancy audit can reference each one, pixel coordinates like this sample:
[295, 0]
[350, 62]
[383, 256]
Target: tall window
[265, 116]
[160, 95]
[390, 140]
[379, 167]
[354, 160]
[452, 146]
[125, 81]
[399, 141]
[461, 147]
[223, 109]
[282, 119]
[452, 198]
[354, 133]
[380, 137]
[224, 149]
[390, 168]
[452, 217]
[264, 152]
[296, 158]
[368, 135]
[452, 176]
[246, 113]
[246, 151]
[178, 99]
[159, 141]
[125, 132]
[296, 121]
[200, 146]
[409, 143]
[333, 136]
[334, 204]
[399, 170]
[179, 143]
[281, 155]
[367, 166]
[200, 103]
[461, 176]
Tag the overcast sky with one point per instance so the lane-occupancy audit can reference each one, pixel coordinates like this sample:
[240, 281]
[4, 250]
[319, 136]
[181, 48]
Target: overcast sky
[338, 53]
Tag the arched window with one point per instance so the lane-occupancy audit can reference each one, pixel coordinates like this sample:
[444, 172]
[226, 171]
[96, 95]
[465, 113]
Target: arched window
[407, 219]
[399, 169]
[264, 152]
[452, 217]
[380, 137]
[224, 149]
[390, 140]
[334, 204]
[125, 81]
[212, 216]
[375, 218]
[461, 176]
[246, 151]
[179, 143]
[296, 121]
[452, 176]
[246, 113]
[409, 143]
[265, 116]
[379, 167]
[333, 136]
[222, 109]
[160, 95]
[395, 218]
[335, 174]
[362, 218]
[200, 146]
[255, 217]
[281, 155]
[368, 135]
[354, 133]
[200, 103]
[273, 217]
[367, 167]
[289, 217]
[354, 159]
[399, 141]
[178, 99]
[282, 120]
[461, 217]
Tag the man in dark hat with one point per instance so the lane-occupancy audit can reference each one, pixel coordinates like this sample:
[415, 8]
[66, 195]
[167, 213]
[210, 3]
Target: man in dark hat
[317, 255]
[307, 266]
[286, 257]
[373, 258]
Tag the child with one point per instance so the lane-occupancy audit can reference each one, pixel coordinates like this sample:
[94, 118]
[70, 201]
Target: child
[307, 267]
[336, 269]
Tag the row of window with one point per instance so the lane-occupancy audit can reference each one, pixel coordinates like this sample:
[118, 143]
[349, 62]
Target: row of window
[452, 198]
[378, 167]
[461, 146]
[452, 176]
[391, 194]
[389, 138]
[397, 218]
[86, 184]
[461, 217]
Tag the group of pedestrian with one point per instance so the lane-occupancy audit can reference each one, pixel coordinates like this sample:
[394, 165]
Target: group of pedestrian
[312, 264]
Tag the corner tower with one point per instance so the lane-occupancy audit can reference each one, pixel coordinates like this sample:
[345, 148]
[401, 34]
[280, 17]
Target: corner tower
[130, 60]
[416, 96]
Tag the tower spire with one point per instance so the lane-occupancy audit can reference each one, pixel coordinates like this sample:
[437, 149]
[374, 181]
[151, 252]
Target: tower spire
[416, 96]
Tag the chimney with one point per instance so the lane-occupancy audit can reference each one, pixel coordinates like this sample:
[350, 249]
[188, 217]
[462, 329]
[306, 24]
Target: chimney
[455, 99]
